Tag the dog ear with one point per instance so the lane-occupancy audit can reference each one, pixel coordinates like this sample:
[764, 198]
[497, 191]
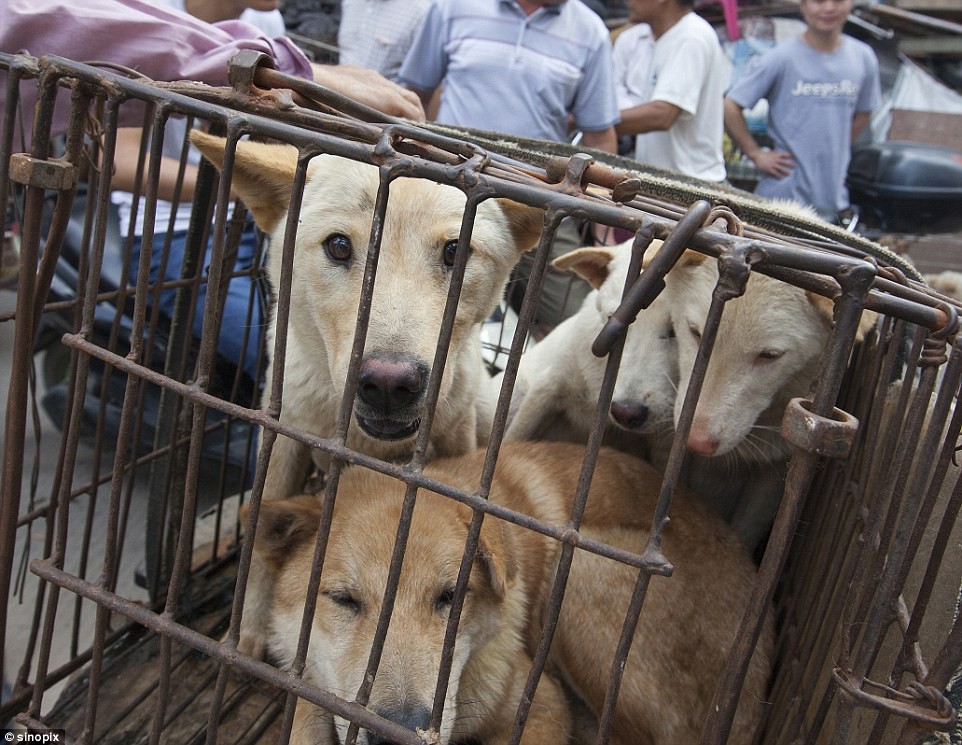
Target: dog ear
[495, 556]
[263, 174]
[651, 252]
[524, 222]
[826, 309]
[688, 258]
[282, 526]
[589, 263]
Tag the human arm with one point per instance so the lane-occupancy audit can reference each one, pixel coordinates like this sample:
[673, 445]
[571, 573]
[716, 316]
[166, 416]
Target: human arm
[860, 121]
[651, 116]
[126, 156]
[426, 61]
[156, 40]
[869, 95]
[370, 88]
[594, 109]
[605, 140]
[424, 97]
[775, 163]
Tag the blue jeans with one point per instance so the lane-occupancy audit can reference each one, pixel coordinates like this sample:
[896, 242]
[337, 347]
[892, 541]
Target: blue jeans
[234, 328]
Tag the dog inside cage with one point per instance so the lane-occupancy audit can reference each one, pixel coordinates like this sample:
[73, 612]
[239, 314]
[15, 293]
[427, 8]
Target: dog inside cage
[285, 461]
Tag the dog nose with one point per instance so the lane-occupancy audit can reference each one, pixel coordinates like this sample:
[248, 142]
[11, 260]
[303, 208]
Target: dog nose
[410, 717]
[629, 415]
[702, 444]
[389, 384]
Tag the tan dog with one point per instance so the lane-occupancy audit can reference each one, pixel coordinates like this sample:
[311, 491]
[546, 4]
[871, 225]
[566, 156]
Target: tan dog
[419, 241]
[766, 352]
[559, 379]
[685, 634]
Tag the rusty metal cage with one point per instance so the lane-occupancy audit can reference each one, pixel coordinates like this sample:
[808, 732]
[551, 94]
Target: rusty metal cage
[122, 565]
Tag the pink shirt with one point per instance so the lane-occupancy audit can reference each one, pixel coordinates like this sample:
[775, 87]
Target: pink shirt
[156, 40]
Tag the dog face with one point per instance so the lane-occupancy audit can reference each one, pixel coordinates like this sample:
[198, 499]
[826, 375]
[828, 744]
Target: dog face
[418, 248]
[766, 352]
[644, 393]
[352, 586]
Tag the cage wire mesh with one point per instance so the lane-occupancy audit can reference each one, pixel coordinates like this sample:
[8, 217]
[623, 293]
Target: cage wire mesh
[131, 440]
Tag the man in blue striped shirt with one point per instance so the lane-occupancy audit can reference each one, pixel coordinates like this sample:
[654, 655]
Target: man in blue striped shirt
[524, 67]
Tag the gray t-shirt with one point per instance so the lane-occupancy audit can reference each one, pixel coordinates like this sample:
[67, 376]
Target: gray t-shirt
[812, 97]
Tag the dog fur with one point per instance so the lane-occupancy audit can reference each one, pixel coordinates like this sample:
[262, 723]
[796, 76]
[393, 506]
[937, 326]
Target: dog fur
[948, 283]
[421, 228]
[420, 231]
[685, 634]
[559, 379]
[766, 352]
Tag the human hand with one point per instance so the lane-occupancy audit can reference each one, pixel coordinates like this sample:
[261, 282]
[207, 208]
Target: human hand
[370, 88]
[775, 163]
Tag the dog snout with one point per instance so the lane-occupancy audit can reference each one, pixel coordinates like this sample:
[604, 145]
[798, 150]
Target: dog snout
[390, 384]
[412, 717]
[630, 415]
[703, 444]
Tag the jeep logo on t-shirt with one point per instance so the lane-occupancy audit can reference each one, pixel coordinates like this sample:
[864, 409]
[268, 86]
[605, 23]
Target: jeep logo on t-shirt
[826, 90]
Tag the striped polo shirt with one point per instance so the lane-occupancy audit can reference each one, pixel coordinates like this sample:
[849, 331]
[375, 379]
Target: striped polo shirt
[507, 72]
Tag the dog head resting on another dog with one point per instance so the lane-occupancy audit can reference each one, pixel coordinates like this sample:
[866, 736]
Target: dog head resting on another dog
[644, 393]
[418, 246]
[766, 352]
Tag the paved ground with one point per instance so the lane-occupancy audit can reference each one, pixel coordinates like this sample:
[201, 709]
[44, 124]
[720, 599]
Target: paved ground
[74, 620]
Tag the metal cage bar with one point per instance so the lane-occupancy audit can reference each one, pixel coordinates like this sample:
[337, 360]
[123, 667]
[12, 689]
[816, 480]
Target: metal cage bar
[858, 554]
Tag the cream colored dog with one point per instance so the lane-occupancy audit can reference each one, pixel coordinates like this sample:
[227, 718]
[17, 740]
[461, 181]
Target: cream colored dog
[418, 246]
[766, 352]
[685, 634]
[559, 379]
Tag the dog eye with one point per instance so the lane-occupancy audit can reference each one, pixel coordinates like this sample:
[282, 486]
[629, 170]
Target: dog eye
[449, 253]
[444, 600]
[338, 248]
[344, 599]
[669, 334]
[770, 354]
[694, 331]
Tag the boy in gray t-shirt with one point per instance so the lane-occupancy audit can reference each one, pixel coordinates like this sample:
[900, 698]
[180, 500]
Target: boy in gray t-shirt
[821, 88]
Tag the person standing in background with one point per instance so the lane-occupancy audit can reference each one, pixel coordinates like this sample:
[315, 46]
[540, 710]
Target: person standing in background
[680, 124]
[821, 89]
[378, 33]
[522, 67]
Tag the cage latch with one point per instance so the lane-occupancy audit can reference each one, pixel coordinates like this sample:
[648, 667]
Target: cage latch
[58, 175]
[829, 437]
[243, 69]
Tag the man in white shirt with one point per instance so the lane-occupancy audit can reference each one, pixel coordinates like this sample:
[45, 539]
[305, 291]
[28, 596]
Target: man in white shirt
[680, 123]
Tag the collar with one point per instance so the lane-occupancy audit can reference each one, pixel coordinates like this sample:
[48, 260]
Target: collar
[543, 10]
